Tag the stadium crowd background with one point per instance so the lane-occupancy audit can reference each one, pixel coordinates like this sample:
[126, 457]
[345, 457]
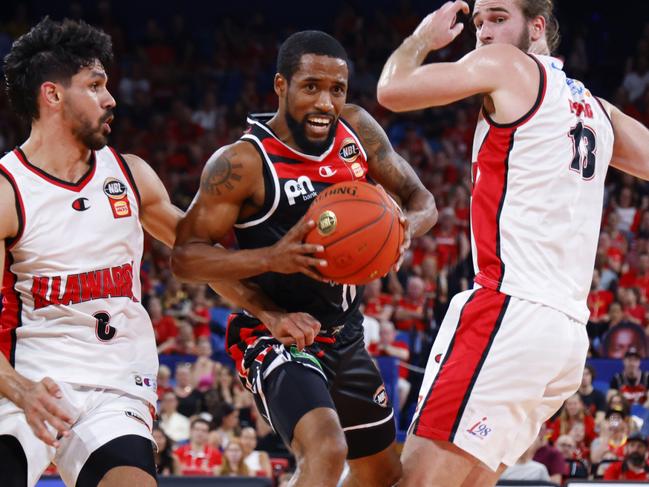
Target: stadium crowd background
[185, 78]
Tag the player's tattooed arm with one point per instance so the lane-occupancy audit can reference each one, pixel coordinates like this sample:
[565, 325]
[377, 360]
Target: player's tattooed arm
[222, 172]
[393, 172]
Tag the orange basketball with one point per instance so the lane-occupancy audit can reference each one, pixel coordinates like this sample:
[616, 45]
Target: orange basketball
[358, 225]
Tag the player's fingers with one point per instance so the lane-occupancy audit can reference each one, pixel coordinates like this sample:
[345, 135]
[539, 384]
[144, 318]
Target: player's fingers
[301, 228]
[52, 387]
[305, 261]
[457, 29]
[58, 412]
[309, 272]
[464, 6]
[311, 248]
[299, 339]
[41, 431]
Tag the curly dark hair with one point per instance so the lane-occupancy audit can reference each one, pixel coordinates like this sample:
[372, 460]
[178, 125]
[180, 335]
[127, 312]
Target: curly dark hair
[51, 51]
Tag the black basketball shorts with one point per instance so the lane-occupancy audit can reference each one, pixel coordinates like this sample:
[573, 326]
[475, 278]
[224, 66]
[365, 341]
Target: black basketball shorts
[288, 383]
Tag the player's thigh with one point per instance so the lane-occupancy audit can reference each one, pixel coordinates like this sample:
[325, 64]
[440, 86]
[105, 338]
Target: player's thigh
[291, 391]
[115, 432]
[23, 457]
[493, 375]
[363, 406]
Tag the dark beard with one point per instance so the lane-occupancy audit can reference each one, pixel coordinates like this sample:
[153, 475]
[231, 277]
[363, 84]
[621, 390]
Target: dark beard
[90, 136]
[524, 42]
[298, 131]
[636, 459]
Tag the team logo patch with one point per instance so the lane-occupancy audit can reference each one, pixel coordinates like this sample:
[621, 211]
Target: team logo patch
[81, 204]
[114, 188]
[327, 223]
[349, 150]
[381, 397]
[116, 192]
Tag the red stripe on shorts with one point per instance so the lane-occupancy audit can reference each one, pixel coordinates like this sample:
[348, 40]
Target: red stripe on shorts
[447, 398]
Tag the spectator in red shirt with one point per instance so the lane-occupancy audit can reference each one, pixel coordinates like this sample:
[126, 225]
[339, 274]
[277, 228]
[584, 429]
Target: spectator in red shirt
[377, 304]
[164, 326]
[197, 457]
[599, 300]
[633, 310]
[199, 314]
[634, 465]
[390, 347]
[612, 438]
[409, 313]
[446, 237]
[632, 382]
[573, 411]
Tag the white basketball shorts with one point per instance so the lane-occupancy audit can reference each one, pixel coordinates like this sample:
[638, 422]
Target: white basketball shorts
[101, 416]
[499, 368]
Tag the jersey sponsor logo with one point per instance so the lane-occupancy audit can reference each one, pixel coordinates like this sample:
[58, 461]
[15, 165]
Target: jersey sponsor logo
[580, 109]
[114, 188]
[81, 204]
[115, 282]
[358, 170]
[349, 150]
[576, 88]
[326, 171]
[300, 187]
[480, 429]
[116, 192]
[381, 396]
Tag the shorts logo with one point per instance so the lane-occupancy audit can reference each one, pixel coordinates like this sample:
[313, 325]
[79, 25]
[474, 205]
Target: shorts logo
[381, 397]
[480, 429]
[144, 381]
[349, 150]
[438, 358]
[135, 416]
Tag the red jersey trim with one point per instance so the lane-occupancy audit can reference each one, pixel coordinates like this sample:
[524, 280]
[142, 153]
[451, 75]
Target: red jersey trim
[76, 187]
[12, 306]
[445, 402]
[493, 164]
[20, 208]
[126, 170]
[537, 104]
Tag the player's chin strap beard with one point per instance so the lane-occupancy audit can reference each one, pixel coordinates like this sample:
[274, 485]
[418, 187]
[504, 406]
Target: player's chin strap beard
[298, 133]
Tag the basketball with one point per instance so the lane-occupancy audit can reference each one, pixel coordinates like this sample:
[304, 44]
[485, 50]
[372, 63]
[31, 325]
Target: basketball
[358, 225]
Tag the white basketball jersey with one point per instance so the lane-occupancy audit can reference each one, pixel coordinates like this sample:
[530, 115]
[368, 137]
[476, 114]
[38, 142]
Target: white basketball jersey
[538, 189]
[71, 284]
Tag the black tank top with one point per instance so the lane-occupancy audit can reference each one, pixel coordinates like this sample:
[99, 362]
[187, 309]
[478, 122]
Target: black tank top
[292, 180]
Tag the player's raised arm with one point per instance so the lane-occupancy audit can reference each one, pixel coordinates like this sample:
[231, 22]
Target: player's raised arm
[407, 85]
[231, 186]
[392, 172]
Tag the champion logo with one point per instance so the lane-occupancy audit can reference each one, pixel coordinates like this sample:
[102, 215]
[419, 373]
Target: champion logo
[326, 171]
[480, 429]
[81, 204]
[438, 358]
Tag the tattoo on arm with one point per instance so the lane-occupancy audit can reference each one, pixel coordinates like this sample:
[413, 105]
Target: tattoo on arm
[383, 159]
[221, 174]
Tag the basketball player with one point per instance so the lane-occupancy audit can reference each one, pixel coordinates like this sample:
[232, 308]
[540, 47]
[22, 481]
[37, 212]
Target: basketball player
[301, 351]
[511, 350]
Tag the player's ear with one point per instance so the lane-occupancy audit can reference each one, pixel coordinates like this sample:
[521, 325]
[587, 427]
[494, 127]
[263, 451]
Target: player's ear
[537, 28]
[50, 94]
[280, 85]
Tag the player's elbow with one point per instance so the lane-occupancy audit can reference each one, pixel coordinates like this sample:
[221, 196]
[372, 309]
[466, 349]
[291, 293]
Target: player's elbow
[180, 263]
[391, 97]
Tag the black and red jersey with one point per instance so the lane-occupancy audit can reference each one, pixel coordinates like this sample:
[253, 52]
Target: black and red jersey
[292, 180]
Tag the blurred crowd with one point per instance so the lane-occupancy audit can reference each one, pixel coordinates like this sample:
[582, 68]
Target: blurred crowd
[184, 90]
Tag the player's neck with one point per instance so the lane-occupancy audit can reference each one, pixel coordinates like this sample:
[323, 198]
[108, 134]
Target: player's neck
[56, 151]
[279, 126]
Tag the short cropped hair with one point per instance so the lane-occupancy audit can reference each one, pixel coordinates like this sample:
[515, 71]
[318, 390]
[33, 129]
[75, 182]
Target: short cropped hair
[307, 42]
[51, 51]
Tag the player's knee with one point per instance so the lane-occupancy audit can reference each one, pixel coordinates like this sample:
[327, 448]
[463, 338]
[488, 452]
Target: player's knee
[328, 447]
